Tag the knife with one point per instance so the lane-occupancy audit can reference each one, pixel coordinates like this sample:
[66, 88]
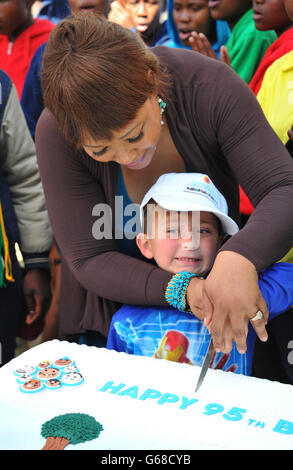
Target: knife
[205, 366]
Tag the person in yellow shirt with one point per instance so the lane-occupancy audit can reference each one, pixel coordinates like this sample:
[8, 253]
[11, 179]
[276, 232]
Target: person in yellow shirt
[276, 93]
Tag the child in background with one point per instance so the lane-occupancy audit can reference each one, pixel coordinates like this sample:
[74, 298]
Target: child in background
[166, 332]
[273, 80]
[246, 45]
[20, 37]
[271, 15]
[143, 16]
[186, 16]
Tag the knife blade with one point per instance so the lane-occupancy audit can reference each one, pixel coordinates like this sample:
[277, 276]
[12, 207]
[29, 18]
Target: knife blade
[205, 366]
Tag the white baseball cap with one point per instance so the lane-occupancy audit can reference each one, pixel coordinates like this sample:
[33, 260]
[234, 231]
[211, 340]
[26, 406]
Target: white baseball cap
[190, 192]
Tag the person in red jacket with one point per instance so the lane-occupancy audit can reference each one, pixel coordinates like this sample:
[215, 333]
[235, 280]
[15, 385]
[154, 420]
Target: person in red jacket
[20, 36]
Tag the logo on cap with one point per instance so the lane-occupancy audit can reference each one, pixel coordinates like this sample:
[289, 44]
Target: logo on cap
[201, 188]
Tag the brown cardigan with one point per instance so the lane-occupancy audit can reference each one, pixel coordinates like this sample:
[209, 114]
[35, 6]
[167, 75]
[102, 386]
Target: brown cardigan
[218, 129]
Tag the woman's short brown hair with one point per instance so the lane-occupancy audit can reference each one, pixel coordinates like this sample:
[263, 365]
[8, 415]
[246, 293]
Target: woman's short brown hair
[95, 76]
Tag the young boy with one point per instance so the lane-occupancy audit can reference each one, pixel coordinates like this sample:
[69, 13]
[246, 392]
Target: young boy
[20, 36]
[144, 17]
[168, 333]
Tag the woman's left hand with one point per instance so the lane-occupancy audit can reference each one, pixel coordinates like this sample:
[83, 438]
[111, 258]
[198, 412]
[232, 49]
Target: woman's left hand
[232, 287]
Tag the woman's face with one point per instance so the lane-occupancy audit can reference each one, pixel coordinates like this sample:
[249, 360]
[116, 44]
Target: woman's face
[142, 13]
[134, 145]
[270, 14]
[191, 15]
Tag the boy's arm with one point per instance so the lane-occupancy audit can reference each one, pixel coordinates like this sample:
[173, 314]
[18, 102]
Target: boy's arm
[276, 285]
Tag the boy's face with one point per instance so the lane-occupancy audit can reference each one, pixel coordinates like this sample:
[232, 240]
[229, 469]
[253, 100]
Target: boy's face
[229, 10]
[191, 15]
[13, 15]
[288, 4]
[142, 13]
[174, 251]
[87, 6]
[270, 14]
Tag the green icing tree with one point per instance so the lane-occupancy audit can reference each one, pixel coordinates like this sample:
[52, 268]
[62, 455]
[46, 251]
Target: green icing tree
[70, 428]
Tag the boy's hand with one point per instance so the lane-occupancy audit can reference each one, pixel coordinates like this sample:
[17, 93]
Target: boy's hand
[232, 288]
[200, 43]
[224, 54]
[119, 14]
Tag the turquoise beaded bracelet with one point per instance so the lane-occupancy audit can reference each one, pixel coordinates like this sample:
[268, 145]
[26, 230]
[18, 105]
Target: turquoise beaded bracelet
[176, 290]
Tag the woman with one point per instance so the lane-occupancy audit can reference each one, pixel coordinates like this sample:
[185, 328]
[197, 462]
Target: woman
[104, 88]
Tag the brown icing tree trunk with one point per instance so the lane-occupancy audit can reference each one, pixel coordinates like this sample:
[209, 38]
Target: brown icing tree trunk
[55, 443]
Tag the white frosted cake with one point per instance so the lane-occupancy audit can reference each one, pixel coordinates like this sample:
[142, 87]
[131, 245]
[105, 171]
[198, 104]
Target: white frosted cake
[141, 403]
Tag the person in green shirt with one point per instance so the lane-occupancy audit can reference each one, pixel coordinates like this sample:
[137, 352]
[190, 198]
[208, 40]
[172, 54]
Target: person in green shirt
[246, 46]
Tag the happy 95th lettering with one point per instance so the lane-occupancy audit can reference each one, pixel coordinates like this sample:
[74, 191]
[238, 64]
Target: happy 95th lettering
[234, 414]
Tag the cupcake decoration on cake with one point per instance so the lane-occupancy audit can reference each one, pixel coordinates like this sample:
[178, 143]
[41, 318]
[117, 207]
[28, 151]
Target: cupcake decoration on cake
[63, 362]
[48, 373]
[53, 384]
[32, 386]
[27, 369]
[72, 378]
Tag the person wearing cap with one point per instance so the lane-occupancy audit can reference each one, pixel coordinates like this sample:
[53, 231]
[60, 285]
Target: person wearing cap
[185, 220]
